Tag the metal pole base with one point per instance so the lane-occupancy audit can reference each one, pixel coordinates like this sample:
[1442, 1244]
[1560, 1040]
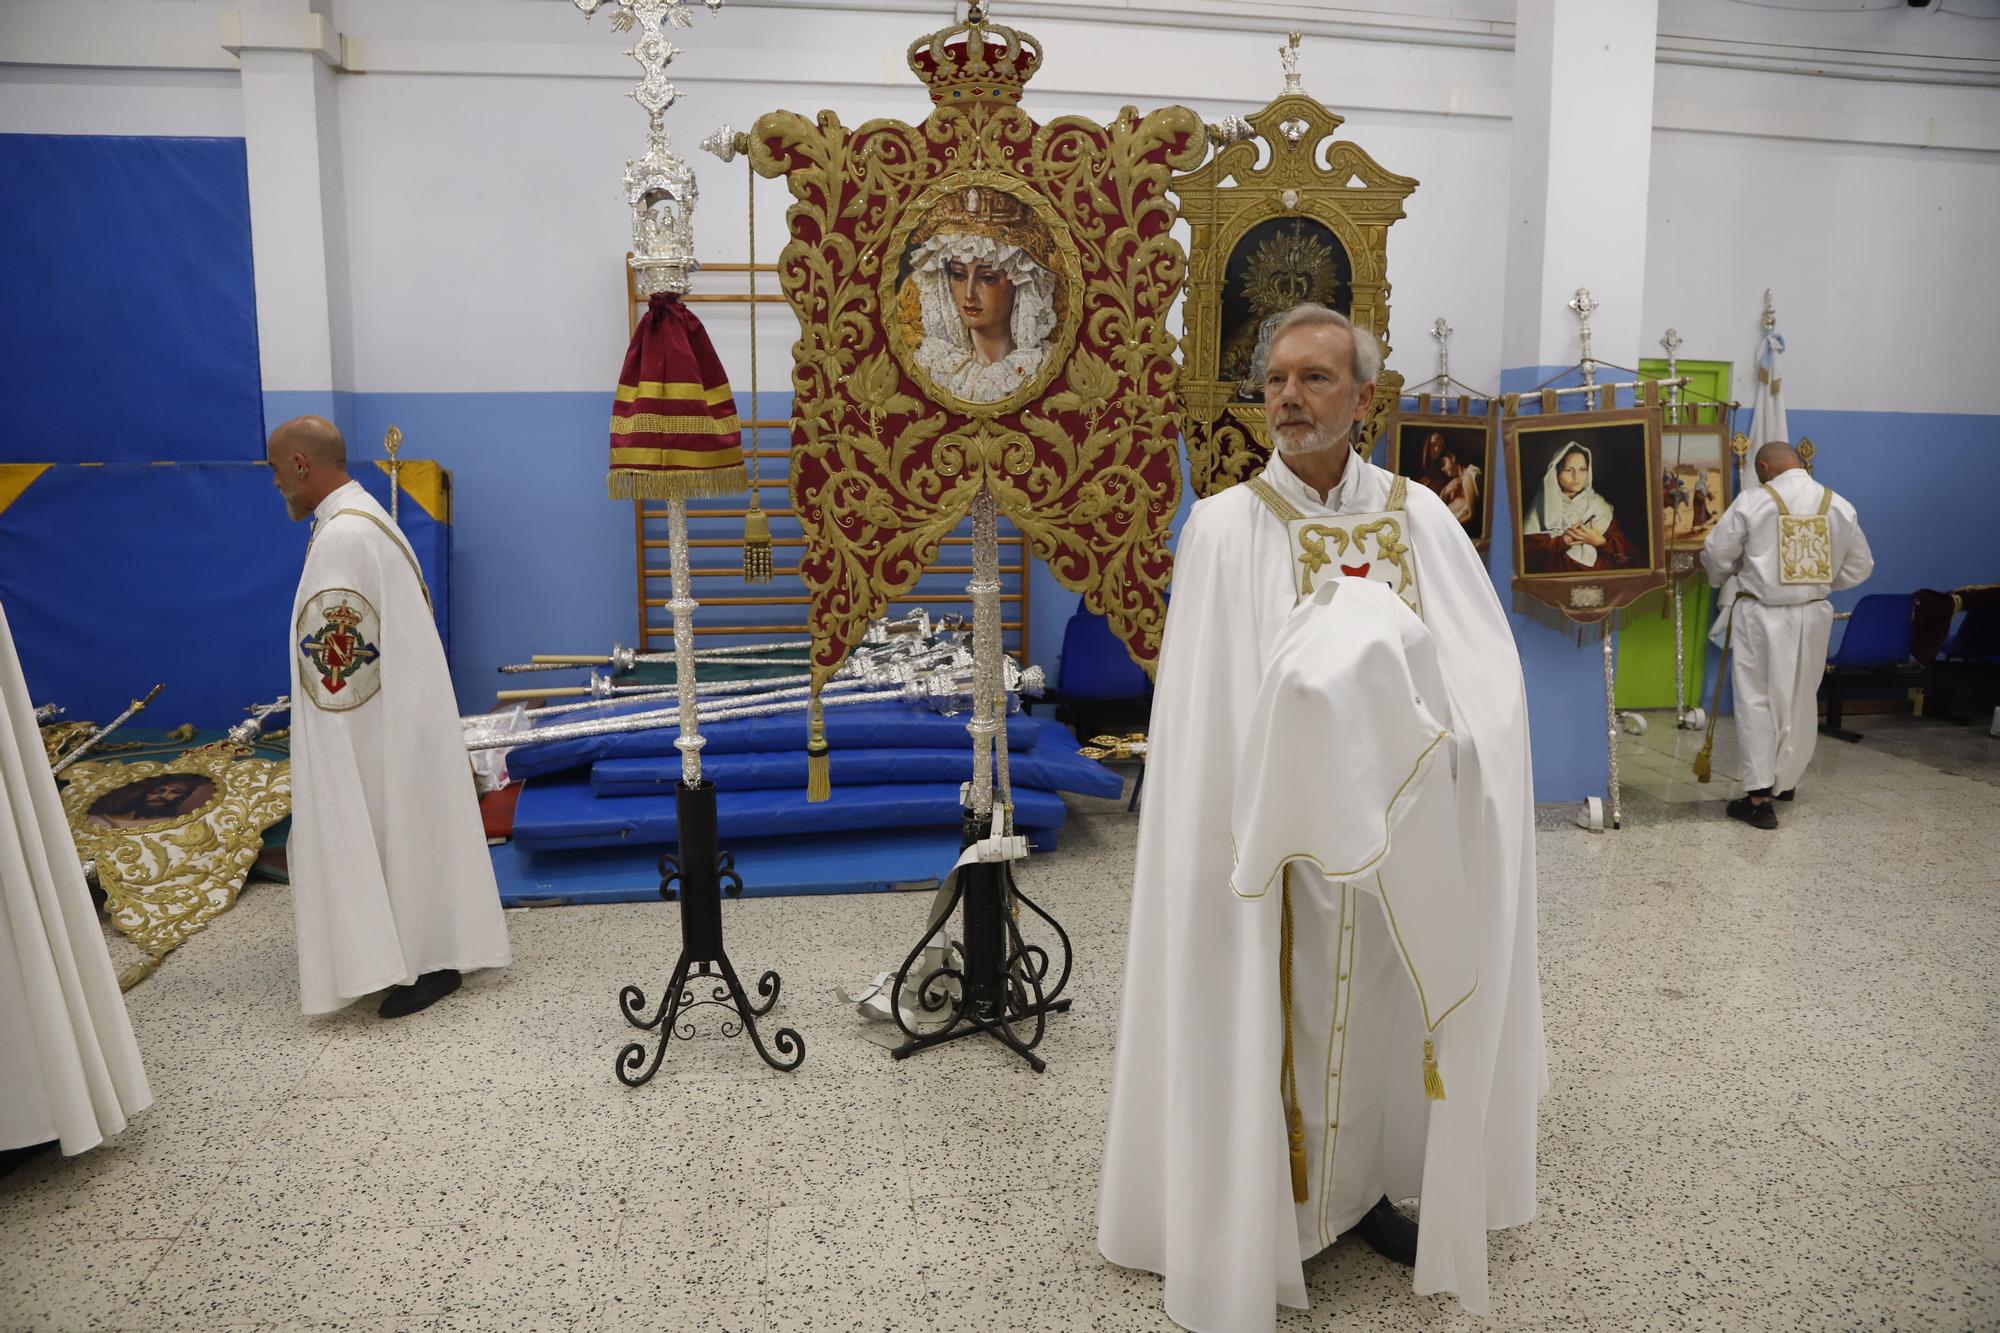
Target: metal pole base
[1002, 989]
[702, 874]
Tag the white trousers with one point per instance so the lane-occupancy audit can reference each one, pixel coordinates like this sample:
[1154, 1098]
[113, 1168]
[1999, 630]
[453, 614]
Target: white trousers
[1778, 655]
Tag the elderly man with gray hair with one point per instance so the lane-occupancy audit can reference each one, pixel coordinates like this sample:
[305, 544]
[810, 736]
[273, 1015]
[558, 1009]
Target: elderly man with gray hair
[1331, 996]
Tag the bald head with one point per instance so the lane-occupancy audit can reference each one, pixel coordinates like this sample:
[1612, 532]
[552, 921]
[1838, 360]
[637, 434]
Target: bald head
[1777, 457]
[308, 462]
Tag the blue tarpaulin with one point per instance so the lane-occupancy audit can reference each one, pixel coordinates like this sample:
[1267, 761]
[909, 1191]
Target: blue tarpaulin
[128, 316]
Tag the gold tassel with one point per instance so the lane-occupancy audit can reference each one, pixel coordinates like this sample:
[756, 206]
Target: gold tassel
[1296, 1122]
[1704, 767]
[819, 770]
[1433, 1081]
[756, 543]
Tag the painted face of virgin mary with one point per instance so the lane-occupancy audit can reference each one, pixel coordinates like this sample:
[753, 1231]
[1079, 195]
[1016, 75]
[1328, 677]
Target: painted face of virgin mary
[984, 299]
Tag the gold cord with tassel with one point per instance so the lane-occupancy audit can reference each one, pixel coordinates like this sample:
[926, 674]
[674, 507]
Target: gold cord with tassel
[1288, 1077]
[756, 525]
[819, 771]
[1433, 1081]
[1704, 767]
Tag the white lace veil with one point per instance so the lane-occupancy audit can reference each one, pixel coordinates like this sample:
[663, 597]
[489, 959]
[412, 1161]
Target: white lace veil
[1034, 286]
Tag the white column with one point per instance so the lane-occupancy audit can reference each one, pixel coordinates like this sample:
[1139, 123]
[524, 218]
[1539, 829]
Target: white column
[289, 50]
[1582, 151]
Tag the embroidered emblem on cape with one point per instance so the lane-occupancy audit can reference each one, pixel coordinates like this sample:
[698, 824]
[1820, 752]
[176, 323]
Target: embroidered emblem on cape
[1805, 543]
[1374, 543]
[342, 667]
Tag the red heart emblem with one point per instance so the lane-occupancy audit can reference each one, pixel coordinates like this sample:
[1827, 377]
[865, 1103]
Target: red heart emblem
[1356, 571]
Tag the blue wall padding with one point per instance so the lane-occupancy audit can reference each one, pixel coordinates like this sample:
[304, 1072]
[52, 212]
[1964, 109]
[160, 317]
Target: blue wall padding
[120, 576]
[561, 814]
[1047, 767]
[128, 315]
[862, 727]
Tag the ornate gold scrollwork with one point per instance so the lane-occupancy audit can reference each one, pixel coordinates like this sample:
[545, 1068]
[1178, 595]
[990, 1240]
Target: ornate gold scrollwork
[166, 878]
[1311, 224]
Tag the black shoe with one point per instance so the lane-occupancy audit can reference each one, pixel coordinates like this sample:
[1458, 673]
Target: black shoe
[425, 991]
[1788, 793]
[1389, 1233]
[1756, 816]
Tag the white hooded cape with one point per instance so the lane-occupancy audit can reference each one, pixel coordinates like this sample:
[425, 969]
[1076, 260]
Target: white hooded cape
[390, 873]
[1196, 1185]
[69, 1068]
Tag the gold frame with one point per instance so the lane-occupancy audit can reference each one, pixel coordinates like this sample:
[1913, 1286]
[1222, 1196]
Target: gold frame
[1069, 286]
[1464, 418]
[1352, 195]
[167, 880]
[1588, 596]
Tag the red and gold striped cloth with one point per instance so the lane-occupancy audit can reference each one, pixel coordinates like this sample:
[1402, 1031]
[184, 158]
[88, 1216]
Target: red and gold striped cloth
[674, 432]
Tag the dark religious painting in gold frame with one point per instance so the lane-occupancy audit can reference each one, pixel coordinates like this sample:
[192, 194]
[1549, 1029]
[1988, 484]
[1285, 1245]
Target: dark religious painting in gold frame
[1286, 216]
[1584, 494]
[1452, 453]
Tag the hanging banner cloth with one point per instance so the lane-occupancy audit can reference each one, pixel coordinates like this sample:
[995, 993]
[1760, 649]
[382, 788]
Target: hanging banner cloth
[674, 432]
[983, 304]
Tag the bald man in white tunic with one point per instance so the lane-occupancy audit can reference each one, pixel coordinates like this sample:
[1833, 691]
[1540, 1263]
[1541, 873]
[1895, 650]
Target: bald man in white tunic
[392, 885]
[1788, 543]
[1205, 1181]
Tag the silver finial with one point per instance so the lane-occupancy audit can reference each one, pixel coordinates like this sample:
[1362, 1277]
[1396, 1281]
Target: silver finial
[1289, 54]
[1441, 331]
[1770, 312]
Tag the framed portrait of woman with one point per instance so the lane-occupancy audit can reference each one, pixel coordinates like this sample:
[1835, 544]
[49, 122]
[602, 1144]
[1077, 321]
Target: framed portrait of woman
[1452, 454]
[1585, 488]
[983, 299]
[1694, 482]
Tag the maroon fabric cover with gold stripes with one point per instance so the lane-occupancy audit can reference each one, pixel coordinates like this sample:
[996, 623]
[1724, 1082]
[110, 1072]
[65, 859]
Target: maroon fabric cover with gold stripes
[674, 432]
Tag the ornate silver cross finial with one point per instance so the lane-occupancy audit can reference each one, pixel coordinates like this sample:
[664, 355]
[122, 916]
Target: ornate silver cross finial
[1770, 312]
[1442, 332]
[1289, 54]
[1585, 306]
[659, 186]
[1672, 343]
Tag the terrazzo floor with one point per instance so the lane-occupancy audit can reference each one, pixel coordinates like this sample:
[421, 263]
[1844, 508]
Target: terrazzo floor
[1774, 1058]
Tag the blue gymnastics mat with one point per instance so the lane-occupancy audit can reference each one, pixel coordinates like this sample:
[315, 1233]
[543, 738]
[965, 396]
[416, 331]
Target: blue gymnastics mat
[875, 862]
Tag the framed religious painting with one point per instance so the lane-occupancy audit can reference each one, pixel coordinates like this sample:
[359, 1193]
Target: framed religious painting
[1452, 453]
[1695, 463]
[1585, 494]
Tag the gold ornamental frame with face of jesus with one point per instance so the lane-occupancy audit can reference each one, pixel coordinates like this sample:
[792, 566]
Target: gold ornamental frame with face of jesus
[1310, 225]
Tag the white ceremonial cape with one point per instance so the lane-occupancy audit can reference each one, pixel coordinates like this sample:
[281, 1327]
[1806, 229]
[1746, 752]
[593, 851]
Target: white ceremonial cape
[1196, 1184]
[390, 873]
[69, 1068]
[1777, 632]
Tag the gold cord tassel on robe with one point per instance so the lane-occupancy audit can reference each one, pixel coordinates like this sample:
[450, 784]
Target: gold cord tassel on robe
[1295, 1121]
[1433, 1081]
[1704, 767]
[819, 771]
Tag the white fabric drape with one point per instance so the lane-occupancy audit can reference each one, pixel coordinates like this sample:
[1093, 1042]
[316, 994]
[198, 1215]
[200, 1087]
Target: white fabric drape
[69, 1068]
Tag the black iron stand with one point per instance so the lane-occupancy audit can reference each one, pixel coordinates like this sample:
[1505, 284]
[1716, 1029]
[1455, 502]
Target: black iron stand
[1002, 983]
[702, 873]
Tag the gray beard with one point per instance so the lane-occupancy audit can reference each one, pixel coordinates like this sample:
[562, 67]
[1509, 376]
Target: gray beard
[1316, 441]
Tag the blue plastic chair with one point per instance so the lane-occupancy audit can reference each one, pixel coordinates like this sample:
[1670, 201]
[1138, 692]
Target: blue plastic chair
[1873, 653]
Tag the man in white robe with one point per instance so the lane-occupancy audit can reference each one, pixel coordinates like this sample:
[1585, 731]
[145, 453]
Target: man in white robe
[1197, 1185]
[69, 1068]
[1787, 543]
[392, 885]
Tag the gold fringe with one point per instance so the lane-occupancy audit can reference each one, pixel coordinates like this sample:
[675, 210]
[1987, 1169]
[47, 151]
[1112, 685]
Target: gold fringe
[819, 770]
[680, 484]
[1433, 1081]
[756, 543]
[1543, 614]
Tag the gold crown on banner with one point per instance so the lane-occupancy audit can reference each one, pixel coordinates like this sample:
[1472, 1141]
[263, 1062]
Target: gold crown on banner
[976, 61]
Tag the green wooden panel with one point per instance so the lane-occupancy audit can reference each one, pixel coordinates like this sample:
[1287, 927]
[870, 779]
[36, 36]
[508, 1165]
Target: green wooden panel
[1646, 644]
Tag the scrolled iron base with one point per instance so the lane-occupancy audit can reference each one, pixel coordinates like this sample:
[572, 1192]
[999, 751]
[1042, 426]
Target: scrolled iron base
[1002, 986]
[702, 974]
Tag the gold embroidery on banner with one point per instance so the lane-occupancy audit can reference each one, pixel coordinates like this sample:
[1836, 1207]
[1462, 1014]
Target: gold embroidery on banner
[1365, 866]
[167, 879]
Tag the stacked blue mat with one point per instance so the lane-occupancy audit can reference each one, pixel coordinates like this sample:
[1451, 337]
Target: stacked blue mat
[895, 767]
